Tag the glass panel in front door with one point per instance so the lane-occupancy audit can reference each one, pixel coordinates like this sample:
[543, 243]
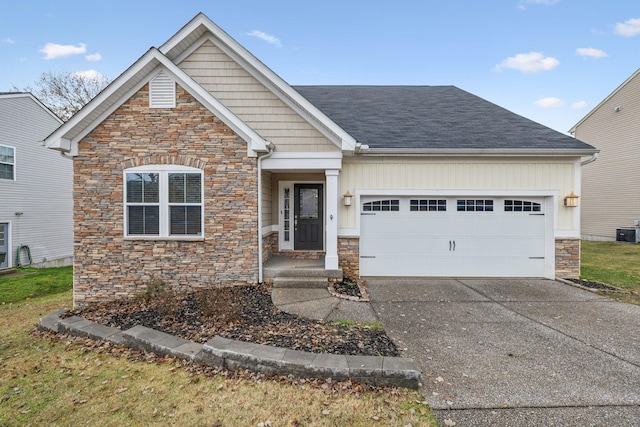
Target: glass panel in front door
[287, 214]
[309, 203]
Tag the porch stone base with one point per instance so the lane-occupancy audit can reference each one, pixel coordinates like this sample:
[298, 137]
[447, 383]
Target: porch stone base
[269, 246]
[349, 256]
[303, 254]
[568, 258]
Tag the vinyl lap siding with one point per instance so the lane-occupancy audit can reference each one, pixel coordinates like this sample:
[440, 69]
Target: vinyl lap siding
[267, 201]
[611, 184]
[252, 102]
[457, 175]
[43, 187]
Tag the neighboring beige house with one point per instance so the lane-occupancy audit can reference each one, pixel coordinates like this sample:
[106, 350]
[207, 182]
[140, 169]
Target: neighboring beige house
[199, 163]
[610, 186]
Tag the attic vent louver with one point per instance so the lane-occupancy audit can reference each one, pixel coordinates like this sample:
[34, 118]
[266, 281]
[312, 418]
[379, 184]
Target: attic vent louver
[162, 91]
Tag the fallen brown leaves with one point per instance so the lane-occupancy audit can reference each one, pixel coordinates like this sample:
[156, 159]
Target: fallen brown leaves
[327, 385]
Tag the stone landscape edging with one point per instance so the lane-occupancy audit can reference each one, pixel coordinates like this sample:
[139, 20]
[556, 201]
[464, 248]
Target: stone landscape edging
[232, 354]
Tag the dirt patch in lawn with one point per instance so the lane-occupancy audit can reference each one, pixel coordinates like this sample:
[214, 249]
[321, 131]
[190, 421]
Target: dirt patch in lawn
[241, 313]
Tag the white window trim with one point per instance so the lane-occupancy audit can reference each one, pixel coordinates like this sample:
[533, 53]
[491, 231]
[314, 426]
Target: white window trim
[14, 164]
[163, 171]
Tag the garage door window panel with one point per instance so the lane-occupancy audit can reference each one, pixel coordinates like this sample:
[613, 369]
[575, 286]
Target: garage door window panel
[474, 205]
[428, 205]
[521, 206]
[391, 205]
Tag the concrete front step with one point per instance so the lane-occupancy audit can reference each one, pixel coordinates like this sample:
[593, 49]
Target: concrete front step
[301, 282]
[302, 272]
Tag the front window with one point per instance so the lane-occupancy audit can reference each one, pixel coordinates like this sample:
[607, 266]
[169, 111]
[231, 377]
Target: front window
[7, 162]
[164, 202]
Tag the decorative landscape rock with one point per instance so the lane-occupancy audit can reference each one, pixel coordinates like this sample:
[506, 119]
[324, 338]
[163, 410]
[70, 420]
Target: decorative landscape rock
[381, 371]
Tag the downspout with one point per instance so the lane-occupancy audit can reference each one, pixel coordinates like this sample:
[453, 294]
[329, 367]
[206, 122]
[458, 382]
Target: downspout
[271, 149]
[591, 159]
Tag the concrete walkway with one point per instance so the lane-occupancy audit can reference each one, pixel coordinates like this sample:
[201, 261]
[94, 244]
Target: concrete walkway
[318, 304]
[516, 352]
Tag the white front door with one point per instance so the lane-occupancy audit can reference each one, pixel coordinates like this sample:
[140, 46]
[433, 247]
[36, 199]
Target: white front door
[452, 236]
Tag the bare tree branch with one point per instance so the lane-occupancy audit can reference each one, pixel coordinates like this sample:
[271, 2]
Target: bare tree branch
[66, 93]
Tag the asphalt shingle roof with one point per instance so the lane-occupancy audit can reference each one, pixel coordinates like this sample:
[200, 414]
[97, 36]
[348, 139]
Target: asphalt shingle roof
[431, 117]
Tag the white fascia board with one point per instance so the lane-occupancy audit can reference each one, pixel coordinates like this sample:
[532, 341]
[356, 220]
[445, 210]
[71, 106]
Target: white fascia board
[303, 161]
[267, 77]
[57, 139]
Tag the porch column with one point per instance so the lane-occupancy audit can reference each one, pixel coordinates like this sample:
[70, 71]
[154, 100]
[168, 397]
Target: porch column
[331, 220]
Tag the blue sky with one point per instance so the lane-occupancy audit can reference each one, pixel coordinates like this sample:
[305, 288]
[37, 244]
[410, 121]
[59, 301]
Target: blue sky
[548, 60]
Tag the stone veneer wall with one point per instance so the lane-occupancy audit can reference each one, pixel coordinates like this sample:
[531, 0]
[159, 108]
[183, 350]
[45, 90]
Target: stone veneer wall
[568, 258]
[269, 245]
[107, 265]
[349, 256]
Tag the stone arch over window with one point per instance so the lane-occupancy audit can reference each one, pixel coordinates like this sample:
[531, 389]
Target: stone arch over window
[164, 159]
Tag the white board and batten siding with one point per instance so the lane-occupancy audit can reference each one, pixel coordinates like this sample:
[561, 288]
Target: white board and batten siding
[38, 204]
[458, 243]
[252, 102]
[548, 176]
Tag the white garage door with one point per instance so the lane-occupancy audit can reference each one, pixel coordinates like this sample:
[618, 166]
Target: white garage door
[452, 237]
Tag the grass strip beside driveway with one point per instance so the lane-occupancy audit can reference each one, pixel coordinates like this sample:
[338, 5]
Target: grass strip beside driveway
[613, 263]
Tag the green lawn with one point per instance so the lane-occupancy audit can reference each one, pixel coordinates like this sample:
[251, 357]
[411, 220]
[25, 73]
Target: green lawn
[69, 383]
[614, 263]
[34, 282]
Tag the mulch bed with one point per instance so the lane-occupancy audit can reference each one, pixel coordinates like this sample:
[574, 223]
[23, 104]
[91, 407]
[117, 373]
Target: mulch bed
[348, 288]
[595, 285]
[243, 313]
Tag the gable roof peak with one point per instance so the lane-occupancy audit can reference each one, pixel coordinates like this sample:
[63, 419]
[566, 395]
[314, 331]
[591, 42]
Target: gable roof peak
[180, 44]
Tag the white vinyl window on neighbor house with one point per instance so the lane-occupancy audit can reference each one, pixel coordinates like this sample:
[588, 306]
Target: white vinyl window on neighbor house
[163, 201]
[7, 162]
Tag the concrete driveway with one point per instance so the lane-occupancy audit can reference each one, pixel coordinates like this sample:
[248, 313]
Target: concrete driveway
[516, 351]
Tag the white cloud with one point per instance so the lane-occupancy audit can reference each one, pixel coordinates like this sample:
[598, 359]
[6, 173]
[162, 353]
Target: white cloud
[591, 52]
[580, 105]
[93, 57]
[533, 62]
[266, 37]
[53, 50]
[628, 28]
[91, 75]
[549, 103]
[8, 40]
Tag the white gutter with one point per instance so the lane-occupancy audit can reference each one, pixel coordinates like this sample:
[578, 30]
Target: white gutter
[271, 149]
[591, 159]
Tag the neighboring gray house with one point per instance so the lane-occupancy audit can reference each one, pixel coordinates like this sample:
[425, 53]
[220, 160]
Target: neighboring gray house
[36, 204]
[610, 185]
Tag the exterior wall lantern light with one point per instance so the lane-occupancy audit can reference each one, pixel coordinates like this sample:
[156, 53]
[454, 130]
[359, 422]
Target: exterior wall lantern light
[347, 198]
[571, 201]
